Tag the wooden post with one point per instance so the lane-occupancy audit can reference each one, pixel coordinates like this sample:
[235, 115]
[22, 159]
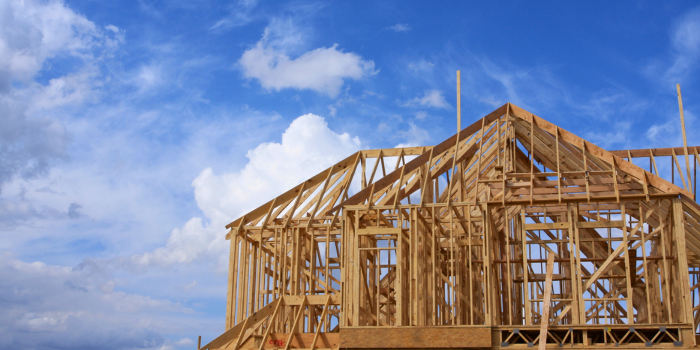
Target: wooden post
[232, 269]
[526, 282]
[546, 300]
[629, 273]
[685, 142]
[459, 110]
[679, 233]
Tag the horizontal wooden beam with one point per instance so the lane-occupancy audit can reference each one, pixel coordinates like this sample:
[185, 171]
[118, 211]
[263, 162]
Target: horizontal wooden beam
[321, 176]
[600, 153]
[379, 231]
[395, 152]
[311, 299]
[658, 152]
[301, 341]
[547, 226]
[414, 337]
[600, 224]
[390, 178]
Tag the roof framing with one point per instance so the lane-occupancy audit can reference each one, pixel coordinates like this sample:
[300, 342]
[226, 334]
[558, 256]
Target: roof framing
[471, 232]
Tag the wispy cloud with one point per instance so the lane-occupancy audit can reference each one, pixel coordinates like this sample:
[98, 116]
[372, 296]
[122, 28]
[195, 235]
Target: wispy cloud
[679, 63]
[420, 115]
[421, 66]
[240, 14]
[685, 40]
[430, 98]
[400, 27]
[414, 136]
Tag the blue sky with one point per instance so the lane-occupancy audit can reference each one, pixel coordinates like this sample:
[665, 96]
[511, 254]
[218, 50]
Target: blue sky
[133, 131]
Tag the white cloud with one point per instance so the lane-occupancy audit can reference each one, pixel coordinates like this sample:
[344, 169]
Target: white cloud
[184, 342]
[685, 41]
[31, 34]
[49, 307]
[414, 136]
[68, 90]
[239, 15]
[307, 147]
[679, 63]
[615, 137]
[30, 145]
[184, 245]
[421, 66]
[149, 76]
[430, 98]
[495, 83]
[667, 131]
[657, 131]
[323, 69]
[399, 27]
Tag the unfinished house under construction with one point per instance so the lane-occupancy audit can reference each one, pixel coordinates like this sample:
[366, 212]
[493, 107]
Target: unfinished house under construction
[513, 233]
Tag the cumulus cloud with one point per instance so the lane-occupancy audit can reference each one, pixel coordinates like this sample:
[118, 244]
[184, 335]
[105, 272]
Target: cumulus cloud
[323, 69]
[399, 27]
[308, 146]
[430, 98]
[32, 33]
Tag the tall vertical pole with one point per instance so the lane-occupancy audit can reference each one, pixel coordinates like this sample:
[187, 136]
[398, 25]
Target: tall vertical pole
[685, 143]
[459, 107]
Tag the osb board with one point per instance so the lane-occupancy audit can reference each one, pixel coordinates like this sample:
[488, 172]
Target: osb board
[415, 337]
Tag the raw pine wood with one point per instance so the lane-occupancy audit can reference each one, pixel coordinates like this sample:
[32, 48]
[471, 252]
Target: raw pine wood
[415, 337]
[685, 142]
[545, 302]
[654, 152]
[447, 248]
[303, 341]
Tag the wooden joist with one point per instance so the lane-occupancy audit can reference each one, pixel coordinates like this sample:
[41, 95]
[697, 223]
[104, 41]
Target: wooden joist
[512, 223]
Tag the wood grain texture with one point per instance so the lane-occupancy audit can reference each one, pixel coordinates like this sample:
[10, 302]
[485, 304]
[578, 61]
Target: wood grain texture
[415, 337]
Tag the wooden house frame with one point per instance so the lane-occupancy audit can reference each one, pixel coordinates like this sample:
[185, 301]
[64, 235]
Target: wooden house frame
[512, 233]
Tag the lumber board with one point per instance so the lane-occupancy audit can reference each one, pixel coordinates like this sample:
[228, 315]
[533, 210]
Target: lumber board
[423, 158]
[463, 266]
[302, 341]
[600, 224]
[546, 302]
[547, 226]
[414, 337]
[657, 152]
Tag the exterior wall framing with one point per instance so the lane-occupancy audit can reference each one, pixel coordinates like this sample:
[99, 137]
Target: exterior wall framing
[447, 247]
